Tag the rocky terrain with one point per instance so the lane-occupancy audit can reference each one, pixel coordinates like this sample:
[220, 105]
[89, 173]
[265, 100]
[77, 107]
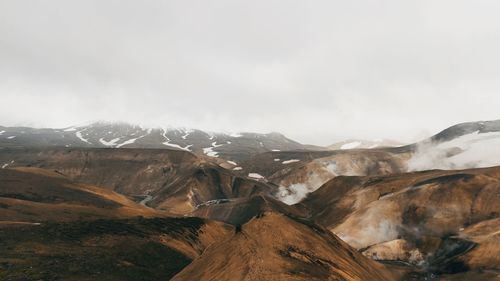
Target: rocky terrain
[432, 219]
[425, 211]
[53, 228]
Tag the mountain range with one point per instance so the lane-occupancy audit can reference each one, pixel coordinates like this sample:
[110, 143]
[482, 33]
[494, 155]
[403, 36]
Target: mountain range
[230, 146]
[114, 202]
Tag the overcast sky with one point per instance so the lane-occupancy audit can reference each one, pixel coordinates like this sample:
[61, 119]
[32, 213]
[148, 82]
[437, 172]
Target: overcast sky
[317, 71]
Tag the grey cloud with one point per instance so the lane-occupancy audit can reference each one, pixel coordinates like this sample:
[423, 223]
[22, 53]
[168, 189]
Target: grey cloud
[318, 71]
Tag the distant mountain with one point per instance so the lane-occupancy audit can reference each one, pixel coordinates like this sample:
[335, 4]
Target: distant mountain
[459, 130]
[230, 146]
[466, 145]
[358, 143]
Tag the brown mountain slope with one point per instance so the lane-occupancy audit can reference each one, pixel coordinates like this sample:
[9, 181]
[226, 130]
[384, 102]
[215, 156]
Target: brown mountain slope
[487, 236]
[443, 221]
[299, 173]
[240, 210]
[52, 228]
[57, 240]
[205, 183]
[271, 162]
[33, 194]
[176, 181]
[276, 247]
[127, 171]
[105, 249]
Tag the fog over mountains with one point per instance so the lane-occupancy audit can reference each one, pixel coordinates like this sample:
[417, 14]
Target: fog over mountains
[393, 71]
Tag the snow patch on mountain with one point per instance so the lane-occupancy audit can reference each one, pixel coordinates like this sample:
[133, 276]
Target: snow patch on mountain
[351, 145]
[186, 148]
[290, 161]
[167, 143]
[364, 144]
[7, 164]
[209, 151]
[186, 133]
[109, 143]
[80, 136]
[255, 176]
[130, 141]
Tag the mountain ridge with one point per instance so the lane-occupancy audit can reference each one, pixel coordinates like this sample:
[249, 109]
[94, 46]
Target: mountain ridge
[230, 146]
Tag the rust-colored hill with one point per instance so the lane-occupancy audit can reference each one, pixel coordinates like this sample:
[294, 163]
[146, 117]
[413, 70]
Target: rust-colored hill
[52, 228]
[276, 247]
[205, 183]
[240, 210]
[33, 195]
[172, 180]
[299, 173]
[439, 221]
[127, 171]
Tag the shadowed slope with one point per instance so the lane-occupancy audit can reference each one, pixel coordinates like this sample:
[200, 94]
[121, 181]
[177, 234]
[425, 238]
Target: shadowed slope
[31, 194]
[127, 171]
[52, 228]
[107, 249]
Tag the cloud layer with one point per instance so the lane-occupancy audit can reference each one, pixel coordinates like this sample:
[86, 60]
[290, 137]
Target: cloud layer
[317, 71]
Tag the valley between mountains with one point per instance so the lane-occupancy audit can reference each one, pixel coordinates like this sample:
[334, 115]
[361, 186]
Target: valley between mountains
[108, 201]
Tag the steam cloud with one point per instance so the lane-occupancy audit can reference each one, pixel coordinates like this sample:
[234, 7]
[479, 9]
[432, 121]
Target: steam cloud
[294, 193]
[468, 151]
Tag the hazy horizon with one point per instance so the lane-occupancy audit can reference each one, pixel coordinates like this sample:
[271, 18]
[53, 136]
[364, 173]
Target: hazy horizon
[317, 73]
